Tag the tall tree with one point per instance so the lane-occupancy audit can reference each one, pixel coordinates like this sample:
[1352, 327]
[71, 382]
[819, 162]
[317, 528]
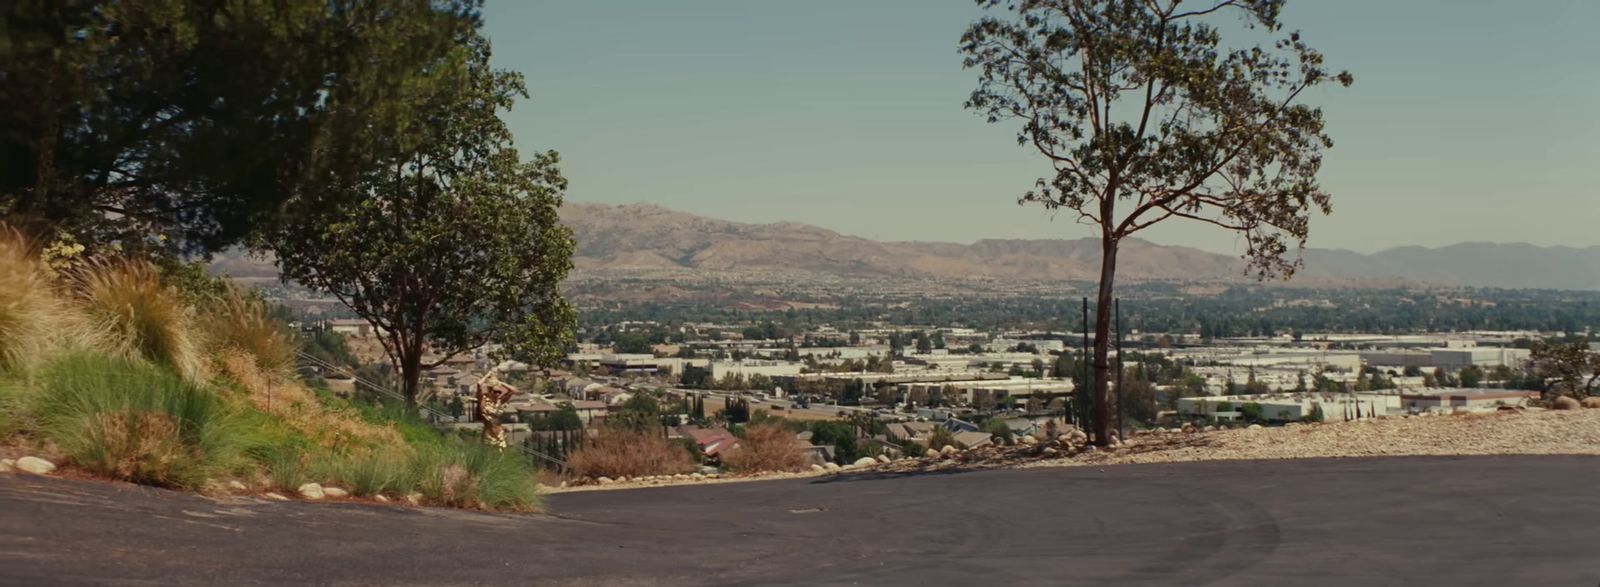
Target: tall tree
[161, 127]
[1145, 115]
[453, 243]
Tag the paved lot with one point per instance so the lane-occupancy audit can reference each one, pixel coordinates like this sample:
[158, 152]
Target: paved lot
[1435, 521]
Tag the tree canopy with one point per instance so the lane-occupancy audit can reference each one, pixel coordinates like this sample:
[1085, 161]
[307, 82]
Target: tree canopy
[160, 126]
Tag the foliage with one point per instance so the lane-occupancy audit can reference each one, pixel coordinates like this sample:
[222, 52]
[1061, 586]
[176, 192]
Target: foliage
[133, 126]
[768, 446]
[1568, 369]
[941, 437]
[838, 434]
[453, 241]
[468, 474]
[621, 452]
[1252, 412]
[997, 427]
[236, 321]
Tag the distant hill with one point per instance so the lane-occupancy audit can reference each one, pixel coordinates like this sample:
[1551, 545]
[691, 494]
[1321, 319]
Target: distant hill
[645, 236]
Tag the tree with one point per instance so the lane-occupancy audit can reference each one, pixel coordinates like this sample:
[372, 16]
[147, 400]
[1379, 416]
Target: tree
[1200, 131]
[453, 243]
[1565, 368]
[160, 127]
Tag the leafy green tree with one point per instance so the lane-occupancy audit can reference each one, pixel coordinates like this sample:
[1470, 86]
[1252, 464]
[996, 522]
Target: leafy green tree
[1566, 368]
[1471, 376]
[1146, 115]
[159, 127]
[454, 242]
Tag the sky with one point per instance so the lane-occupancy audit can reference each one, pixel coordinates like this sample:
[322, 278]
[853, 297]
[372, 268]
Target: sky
[1470, 120]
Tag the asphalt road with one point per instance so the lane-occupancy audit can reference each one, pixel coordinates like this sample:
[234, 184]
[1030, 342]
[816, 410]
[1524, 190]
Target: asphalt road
[1416, 521]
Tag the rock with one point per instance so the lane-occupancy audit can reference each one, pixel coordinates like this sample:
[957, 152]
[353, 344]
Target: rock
[948, 450]
[335, 492]
[414, 498]
[1189, 429]
[680, 476]
[311, 491]
[833, 467]
[1210, 429]
[1591, 402]
[1560, 403]
[1254, 427]
[236, 485]
[274, 496]
[381, 498]
[697, 476]
[563, 484]
[714, 476]
[1030, 440]
[819, 468]
[1114, 441]
[866, 462]
[930, 453]
[1050, 452]
[883, 458]
[603, 480]
[35, 465]
[7, 465]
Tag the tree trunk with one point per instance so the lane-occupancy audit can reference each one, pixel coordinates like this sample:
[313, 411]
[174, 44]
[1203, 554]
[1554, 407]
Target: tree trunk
[411, 374]
[1102, 340]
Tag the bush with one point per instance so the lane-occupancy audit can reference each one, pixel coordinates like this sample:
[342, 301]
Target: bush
[940, 438]
[998, 427]
[133, 314]
[621, 452]
[767, 447]
[138, 422]
[1252, 412]
[469, 474]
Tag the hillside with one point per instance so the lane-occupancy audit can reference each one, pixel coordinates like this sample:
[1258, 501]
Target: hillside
[644, 236]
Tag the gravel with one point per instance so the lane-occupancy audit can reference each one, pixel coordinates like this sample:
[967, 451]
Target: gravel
[1506, 433]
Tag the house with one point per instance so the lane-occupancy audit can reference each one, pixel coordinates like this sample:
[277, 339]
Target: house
[350, 326]
[712, 442]
[1448, 400]
[974, 439]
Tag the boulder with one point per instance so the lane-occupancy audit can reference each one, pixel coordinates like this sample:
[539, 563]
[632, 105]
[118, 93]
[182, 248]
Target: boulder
[1254, 427]
[1560, 403]
[1591, 402]
[311, 491]
[697, 476]
[1210, 429]
[866, 462]
[1050, 452]
[1030, 440]
[948, 450]
[604, 480]
[930, 453]
[381, 498]
[236, 485]
[883, 458]
[414, 498]
[819, 468]
[274, 496]
[35, 465]
[335, 492]
[1190, 429]
[833, 467]
[7, 465]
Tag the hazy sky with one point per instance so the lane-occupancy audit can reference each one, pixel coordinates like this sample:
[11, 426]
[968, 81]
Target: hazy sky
[1469, 120]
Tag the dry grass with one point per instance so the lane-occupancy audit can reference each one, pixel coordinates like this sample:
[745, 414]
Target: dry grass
[625, 453]
[29, 311]
[131, 312]
[238, 323]
[297, 408]
[141, 447]
[767, 447]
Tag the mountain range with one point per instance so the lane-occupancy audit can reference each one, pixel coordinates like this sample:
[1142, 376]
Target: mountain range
[642, 237]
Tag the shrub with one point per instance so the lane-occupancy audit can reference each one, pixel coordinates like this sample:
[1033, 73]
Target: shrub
[28, 307]
[767, 447]
[133, 314]
[286, 467]
[940, 438]
[620, 452]
[104, 413]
